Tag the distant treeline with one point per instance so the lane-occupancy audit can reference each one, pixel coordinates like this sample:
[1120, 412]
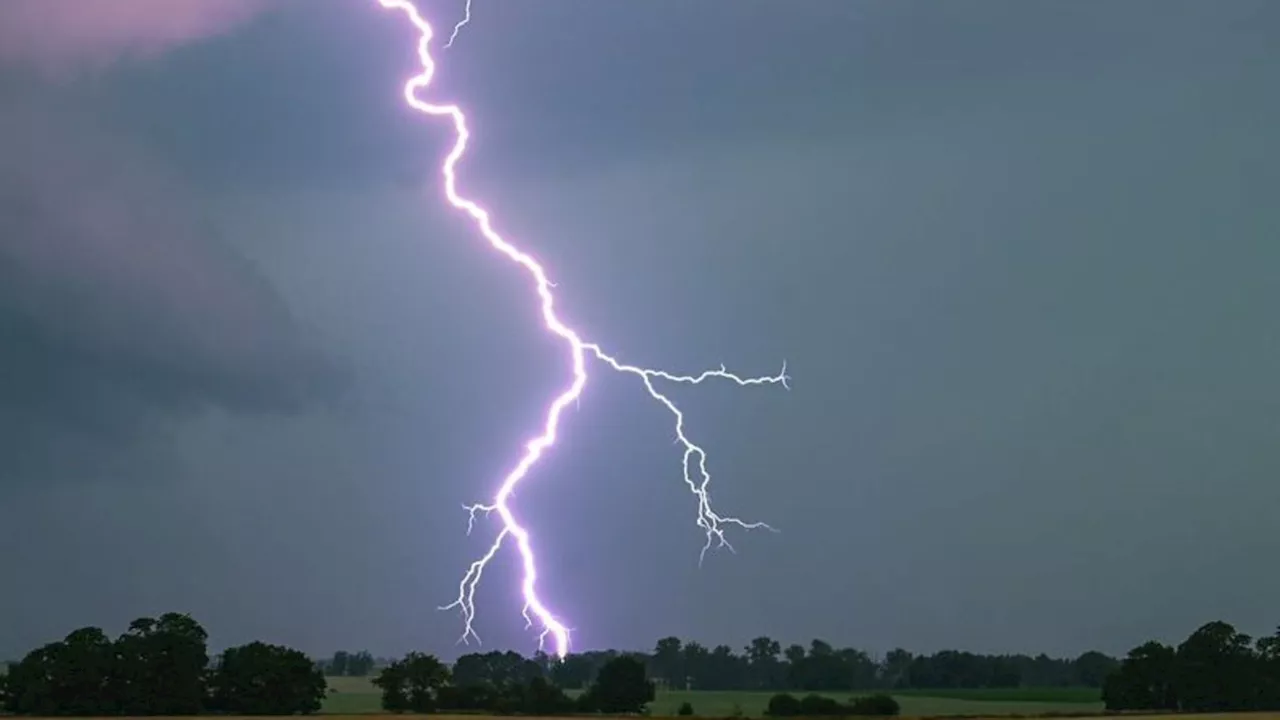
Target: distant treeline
[764, 665]
[349, 664]
[163, 667]
[1216, 669]
[505, 683]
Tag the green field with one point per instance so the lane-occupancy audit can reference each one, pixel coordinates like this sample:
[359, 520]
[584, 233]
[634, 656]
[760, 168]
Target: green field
[1058, 695]
[357, 695]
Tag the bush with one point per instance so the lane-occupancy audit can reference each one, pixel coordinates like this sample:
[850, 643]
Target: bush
[814, 705]
[685, 709]
[879, 705]
[783, 705]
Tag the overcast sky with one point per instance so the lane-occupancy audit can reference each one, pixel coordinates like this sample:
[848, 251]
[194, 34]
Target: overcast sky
[1020, 257]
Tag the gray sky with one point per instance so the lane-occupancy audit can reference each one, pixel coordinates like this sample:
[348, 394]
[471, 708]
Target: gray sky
[1018, 254]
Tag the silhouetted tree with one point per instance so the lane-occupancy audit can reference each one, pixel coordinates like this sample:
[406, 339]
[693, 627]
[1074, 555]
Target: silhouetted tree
[668, 662]
[412, 684]
[795, 656]
[360, 664]
[621, 686]
[262, 679]
[536, 696]
[1145, 680]
[722, 670]
[765, 670]
[695, 666]
[1267, 650]
[1092, 668]
[338, 663]
[575, 671]
[161, 666]
[70, 677]
[495, 669]
[503, 683]
[1217, 670]
[895, 671]
[349, 664]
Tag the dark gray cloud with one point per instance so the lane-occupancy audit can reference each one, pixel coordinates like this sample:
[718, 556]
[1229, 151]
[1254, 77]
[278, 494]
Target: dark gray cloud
[118, 301]
[1017, 254]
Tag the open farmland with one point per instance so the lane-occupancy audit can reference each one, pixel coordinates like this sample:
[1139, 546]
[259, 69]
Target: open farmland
[357, 695]
[1211, 716]
[366, 716]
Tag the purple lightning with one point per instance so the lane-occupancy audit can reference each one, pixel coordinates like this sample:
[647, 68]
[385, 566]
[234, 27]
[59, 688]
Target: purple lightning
[457, 28]
[712, 523]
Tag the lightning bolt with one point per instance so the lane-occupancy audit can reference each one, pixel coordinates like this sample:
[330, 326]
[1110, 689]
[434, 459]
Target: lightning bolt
[466, 18]
[696, 475]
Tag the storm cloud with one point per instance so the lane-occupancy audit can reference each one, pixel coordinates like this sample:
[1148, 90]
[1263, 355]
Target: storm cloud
[64, 36]
[119, 300]
[1017, 255]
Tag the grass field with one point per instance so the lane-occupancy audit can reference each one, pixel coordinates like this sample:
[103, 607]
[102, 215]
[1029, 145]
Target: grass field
[1043, 695]
[357, 716]
[356, 695]
[1213, 716]
[365, 716]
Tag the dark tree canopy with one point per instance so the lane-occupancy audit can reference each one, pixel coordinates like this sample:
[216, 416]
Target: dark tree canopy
[1216, 669]
[412, 684]
[158, 666]
[161, 666]
[155, 668]
[262, 679]
[495, 669]
[502, 683]
[621, 686]
[74, 676]
[814, 705]
[348, 664]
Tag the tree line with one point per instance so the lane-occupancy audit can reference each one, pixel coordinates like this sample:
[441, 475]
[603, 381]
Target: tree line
[509, 684]
[765, 665]
[162, 666]
[612, 681]
[349, 664]
[506, 683]
[159, 666]
[1216, 669]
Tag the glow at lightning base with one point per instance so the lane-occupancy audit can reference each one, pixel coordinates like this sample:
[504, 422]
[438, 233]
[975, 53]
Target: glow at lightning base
[696, 475]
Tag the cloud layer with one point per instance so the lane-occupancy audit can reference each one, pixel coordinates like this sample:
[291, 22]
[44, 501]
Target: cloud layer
[117, 299]
[61, 36]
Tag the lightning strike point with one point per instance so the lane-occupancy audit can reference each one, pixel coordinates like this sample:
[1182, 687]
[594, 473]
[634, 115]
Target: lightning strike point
[707, 519]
